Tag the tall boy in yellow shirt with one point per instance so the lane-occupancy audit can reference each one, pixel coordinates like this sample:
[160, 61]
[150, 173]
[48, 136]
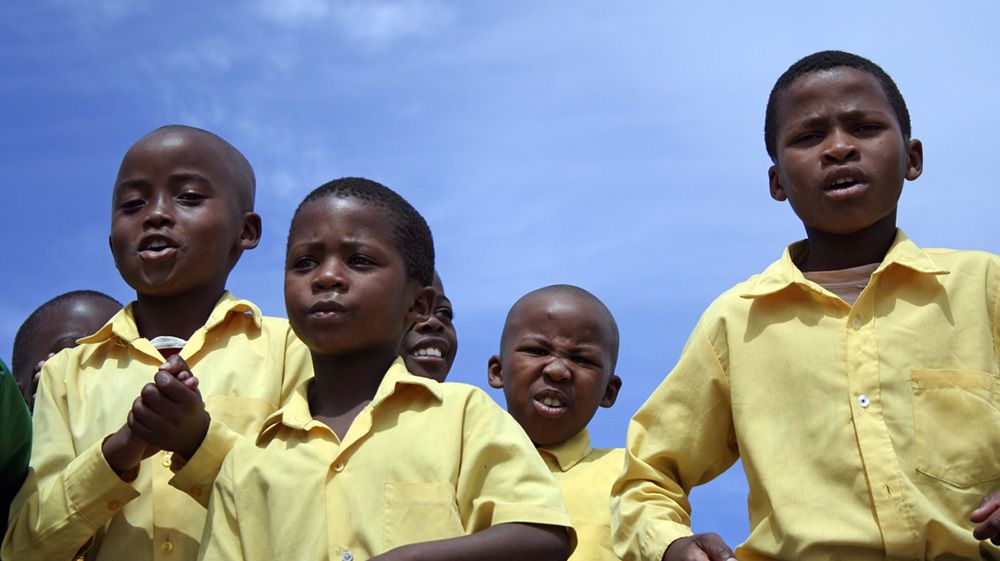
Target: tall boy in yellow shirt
[368, 461]
[123, 450]
[556, 366]
[856, 377]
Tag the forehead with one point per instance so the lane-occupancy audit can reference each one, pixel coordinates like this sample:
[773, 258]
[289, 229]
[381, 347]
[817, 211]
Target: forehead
[176, 151]
[76, 317]
[561, 314]
[837, 90]
[340, 219]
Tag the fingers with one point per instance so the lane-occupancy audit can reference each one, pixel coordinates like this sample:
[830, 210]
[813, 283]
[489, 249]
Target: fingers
[177, 390]
[986, 507]
[715, 547]
[987, 515]
[175, 365]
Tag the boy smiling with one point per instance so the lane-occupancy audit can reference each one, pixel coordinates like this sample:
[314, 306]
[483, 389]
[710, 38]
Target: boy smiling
[843, 375]
[429, 347]
[367, 461]
[123, 447]
[556, 366]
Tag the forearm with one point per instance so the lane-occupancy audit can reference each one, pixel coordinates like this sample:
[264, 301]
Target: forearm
[525, 542]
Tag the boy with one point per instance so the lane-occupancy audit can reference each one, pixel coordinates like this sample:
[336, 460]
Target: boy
[182, 215]
[429, 347]
[54, 326]
[556, 366]
[843, 375]
[15, 441]
[367, 461]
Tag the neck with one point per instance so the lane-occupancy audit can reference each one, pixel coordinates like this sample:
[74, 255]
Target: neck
[831, 252]
[177, 316]
[342, 383]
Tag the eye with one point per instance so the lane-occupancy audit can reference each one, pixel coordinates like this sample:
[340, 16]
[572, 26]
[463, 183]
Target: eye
[304, 263]
[806, 139]
[583, 361]
[191, 197]
[534, 351]
[868, 129]
[446, 313]
[132, 204]
[361, 261]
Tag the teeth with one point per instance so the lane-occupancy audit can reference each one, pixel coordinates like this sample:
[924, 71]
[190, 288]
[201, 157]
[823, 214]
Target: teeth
[844, 180]
[430, 351]
[551, 402]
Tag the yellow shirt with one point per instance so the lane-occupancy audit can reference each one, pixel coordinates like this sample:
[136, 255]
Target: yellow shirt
[423, 461]
[73, 495]
[867, 432]
[585, 475]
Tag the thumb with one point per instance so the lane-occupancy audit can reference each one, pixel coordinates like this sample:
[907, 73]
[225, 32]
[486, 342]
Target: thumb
[715, 547]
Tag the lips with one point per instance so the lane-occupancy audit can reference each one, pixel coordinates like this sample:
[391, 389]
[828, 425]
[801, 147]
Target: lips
[551, 402]
[429, 349]
[157, 248]
[845, 183]
[326, 309]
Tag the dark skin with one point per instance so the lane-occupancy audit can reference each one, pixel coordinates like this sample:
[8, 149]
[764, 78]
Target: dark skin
[181, 218]
[434, 336]
[559, 348]
[841, 164]
[350, 301]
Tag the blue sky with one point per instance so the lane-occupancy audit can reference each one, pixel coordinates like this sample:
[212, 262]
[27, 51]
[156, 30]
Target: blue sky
[616, 146]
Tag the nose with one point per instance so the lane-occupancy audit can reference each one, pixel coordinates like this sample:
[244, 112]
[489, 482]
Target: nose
[840, 147]
[556, 370]
[159, 212]
[329, 276]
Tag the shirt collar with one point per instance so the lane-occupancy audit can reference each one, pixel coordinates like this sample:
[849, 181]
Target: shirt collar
[784, 273]
[296, 414]
[570, 452]
[121, 328]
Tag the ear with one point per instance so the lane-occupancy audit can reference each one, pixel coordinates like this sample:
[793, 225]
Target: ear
[252, 228]
[774, 181]
[611, 391]
[423, 303]
[494, 372]
[914, 159]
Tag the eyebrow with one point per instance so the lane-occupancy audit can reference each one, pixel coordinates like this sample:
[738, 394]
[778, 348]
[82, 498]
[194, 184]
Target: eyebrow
[852, 115]
[174, 178]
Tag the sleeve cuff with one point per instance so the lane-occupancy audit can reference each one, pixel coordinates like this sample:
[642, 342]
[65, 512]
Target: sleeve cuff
[94, 489]
[658, 537]
[195, 477]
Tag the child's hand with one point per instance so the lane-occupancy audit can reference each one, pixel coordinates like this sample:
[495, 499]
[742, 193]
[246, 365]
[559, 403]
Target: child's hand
[123, 451]
[699, 547]
[169, 413]
[987, 516]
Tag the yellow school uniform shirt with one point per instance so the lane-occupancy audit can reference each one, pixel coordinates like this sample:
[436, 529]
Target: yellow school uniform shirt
[866, 432]
[585, 476]
[72, 495]
[423, 461]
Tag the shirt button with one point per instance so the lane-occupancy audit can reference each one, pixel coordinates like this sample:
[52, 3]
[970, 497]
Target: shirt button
[166, 460]
[114, 505]
[167, 548]
[857, 323]
[339, 468]
[863, 401]
[347, 556]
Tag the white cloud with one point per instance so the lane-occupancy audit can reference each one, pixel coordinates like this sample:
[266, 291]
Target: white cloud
[373, 24]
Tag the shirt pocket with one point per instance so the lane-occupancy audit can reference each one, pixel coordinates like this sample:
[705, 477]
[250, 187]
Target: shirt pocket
[243, 415]
[957, 425]
[419, 512]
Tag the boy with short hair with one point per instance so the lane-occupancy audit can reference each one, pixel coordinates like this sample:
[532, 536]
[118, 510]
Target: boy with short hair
[54, 326]
[182, 215]
[843, 375]
[556, 366]
[429, 347]
[367, 461]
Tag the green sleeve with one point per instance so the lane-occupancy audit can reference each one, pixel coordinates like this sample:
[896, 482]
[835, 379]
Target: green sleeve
[15, 442]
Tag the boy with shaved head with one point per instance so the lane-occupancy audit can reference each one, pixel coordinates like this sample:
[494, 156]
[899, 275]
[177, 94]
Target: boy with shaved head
[127, 443]
[556, 366]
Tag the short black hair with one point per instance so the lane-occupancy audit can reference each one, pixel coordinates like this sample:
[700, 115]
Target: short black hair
[29, 329]
[240, 171]
[412, 235]
[576, 292]
[825, 60]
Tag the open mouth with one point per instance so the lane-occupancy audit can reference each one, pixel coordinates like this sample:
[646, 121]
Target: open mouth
[550, 403]
[429, 352]
[157, 248]
[327, 309]
[846, 186]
